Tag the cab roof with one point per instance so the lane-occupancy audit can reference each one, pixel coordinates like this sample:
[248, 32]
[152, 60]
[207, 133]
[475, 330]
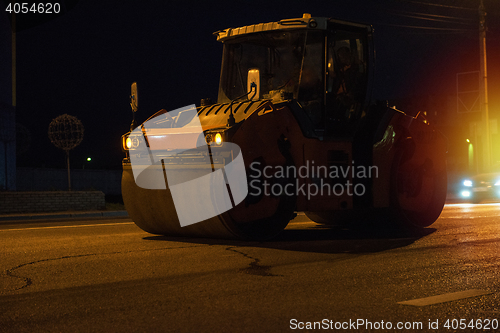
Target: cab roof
[305, 22]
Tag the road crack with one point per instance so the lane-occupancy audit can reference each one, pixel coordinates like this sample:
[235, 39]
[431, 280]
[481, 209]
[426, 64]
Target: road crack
[28, 281]
[254, 268]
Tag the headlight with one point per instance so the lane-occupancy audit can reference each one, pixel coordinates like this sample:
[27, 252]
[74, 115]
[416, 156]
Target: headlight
[214, 138]
[465, 194]
[218, 139]
[129, 142]
[497, 183]
[125, 140]
[468, 183]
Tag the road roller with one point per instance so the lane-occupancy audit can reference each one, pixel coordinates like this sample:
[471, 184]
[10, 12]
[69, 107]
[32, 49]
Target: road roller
[294, 130]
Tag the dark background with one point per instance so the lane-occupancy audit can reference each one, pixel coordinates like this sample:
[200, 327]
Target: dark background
[83, 62]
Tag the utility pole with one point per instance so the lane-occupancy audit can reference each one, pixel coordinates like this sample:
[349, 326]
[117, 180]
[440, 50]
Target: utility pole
[483, 87]
[14, 60]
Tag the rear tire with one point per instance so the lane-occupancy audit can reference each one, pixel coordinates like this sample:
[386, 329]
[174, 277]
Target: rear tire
[418, 191]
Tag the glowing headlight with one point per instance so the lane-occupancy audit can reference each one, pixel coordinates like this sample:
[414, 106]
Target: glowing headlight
[130, 143]
[465, 194]
[214, 139]
[497, 183]
[218, 139]
[468, 183]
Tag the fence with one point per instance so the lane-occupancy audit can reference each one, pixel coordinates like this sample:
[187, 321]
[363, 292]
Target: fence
[52, 201]
[41, 179]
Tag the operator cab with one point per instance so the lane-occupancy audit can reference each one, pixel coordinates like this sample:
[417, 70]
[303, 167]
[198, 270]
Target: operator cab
[322, 64]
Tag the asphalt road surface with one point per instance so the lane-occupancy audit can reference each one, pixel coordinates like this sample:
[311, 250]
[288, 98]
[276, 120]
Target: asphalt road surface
[109, 276]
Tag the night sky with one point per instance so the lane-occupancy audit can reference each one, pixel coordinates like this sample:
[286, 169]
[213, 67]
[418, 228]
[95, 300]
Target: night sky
[83, 62]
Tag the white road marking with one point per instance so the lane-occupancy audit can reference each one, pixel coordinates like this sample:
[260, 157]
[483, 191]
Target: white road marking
[446, 297]
[70, 226]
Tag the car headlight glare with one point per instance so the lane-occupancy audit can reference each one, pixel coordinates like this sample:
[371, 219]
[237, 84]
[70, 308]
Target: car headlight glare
[465, 194]
[497, 183]
[468, 183]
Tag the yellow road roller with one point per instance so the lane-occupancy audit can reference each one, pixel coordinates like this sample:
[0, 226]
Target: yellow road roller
[294, 129]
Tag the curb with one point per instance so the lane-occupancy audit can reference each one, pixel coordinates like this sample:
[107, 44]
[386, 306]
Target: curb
[64, 215]
[4, 219]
